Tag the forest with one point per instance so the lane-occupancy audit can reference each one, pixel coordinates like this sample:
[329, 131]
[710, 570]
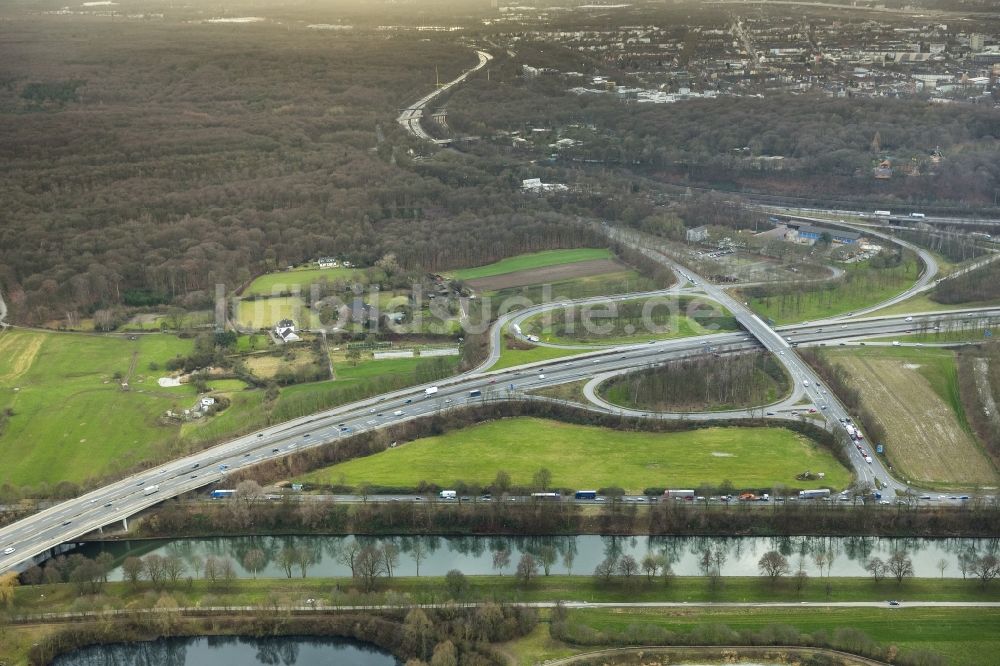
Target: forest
[746, 380]
[165, 160]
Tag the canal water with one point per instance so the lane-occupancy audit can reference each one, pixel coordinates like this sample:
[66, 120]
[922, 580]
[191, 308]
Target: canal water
[231, 651]
[435, 556]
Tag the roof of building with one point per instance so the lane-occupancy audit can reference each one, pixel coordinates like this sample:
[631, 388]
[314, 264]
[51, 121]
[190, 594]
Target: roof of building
[836, 233]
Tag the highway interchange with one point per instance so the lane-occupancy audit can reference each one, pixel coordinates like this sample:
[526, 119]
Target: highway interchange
[33, 536]
[117, 501]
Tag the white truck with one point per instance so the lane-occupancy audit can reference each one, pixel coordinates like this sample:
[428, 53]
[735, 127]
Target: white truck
[883, 213]
[430, 391]
[149, 490]
[448, 494]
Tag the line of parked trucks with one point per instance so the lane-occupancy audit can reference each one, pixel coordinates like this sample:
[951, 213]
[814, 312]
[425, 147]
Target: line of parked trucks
[686, 495]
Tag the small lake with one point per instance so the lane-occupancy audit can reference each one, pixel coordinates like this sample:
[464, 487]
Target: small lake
[231, 651]
[842, 556]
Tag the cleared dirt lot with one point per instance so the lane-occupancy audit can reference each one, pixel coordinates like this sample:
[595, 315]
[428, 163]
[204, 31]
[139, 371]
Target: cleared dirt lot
[547, 274]
[926, 441]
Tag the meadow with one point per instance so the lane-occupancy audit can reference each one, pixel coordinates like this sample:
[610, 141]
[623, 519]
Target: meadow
[71, 419]
[591, 457]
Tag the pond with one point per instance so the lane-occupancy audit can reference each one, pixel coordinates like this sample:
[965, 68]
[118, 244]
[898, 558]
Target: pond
[435, 556]
[231, 651]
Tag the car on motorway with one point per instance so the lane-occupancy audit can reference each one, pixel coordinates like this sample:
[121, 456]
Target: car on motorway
[107, 505]
[541, 376]
[9, 551]
[275, 450]
[895, 343]
[67, 523]
[893, 602]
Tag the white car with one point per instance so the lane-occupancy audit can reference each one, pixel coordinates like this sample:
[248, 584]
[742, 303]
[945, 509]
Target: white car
[541, 376]
[895, 343]
[9, 551]
[908, 319]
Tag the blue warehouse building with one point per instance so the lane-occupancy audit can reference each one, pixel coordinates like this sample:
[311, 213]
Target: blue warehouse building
[811, 234]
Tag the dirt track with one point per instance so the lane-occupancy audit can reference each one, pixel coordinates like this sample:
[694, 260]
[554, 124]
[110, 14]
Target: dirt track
[925, 438]
[547, 274]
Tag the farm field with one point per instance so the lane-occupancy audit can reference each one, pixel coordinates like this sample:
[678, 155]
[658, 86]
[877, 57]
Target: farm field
[619, 281]
[534, 260]
[667, 318]
[300, 278]
[862, 287]
[913, 392]
[67, 395]
[264, 313]
[592, 457]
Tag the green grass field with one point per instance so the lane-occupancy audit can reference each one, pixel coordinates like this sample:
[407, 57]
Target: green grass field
[922, 303]
[591, 457]
[535, 260]
[967, 636]
[266, 312]
[511, 357]
[675, 322]
[300, 278]
[67, 397]
[864, 287]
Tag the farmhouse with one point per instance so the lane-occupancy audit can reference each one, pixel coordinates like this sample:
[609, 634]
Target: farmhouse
[284, 331]
[327, 262]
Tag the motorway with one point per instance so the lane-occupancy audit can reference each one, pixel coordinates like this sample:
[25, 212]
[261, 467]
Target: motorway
[412, 115]
[73, 518]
